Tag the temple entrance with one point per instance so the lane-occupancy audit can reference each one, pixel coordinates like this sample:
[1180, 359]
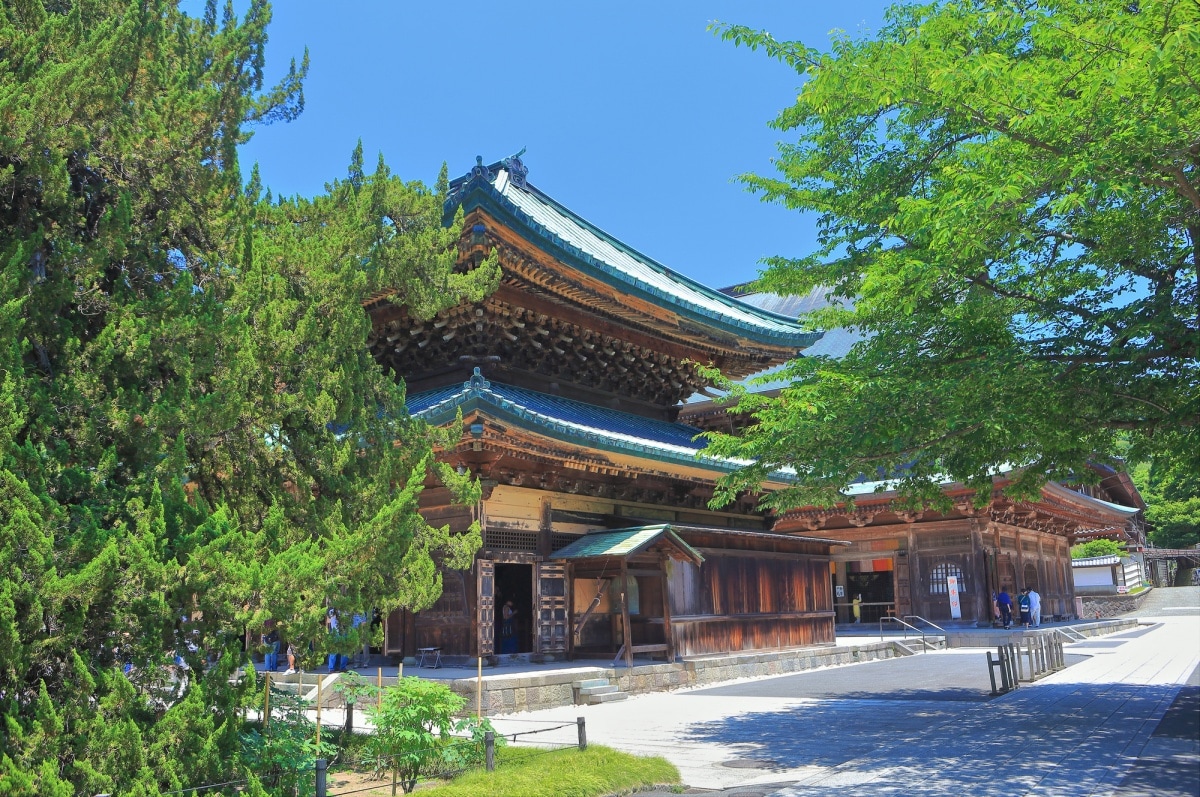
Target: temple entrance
[514, 582]
[872, 578]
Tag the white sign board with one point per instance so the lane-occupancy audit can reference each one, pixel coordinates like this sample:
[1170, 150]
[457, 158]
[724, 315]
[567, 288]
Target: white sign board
[955, 606]
[839, 591]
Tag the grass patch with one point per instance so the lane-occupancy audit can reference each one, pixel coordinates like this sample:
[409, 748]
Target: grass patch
[526, 772]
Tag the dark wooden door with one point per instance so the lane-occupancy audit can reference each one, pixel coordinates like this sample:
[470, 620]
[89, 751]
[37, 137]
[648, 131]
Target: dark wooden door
[551, 609]
[486, 591]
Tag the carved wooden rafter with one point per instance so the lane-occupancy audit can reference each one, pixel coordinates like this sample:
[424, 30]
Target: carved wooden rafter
[529, 341]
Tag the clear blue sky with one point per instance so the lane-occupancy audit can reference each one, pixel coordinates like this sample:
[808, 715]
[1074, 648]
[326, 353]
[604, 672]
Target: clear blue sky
[633, 115]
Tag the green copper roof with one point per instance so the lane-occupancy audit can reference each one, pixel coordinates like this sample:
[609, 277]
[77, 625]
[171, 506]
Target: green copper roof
[506, 194]
[625, 542]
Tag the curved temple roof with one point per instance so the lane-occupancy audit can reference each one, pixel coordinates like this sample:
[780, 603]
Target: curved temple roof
[569, 421]
[539, 218]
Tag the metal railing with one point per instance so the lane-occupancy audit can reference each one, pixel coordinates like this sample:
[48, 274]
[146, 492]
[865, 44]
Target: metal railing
[1070, 634]
[925, 644]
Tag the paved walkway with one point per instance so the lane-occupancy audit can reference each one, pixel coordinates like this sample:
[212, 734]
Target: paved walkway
[925, 725]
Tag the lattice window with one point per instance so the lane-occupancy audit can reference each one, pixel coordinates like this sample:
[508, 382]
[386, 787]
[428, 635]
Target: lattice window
[559, 541]
[950, 541]
[937, 578]
[509, 540]
[1029, 546]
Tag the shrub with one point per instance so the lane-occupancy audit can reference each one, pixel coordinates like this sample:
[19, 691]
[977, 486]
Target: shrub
[413, 732]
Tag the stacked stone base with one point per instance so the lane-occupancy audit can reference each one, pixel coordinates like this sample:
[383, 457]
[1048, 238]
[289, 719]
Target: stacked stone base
[503, 694]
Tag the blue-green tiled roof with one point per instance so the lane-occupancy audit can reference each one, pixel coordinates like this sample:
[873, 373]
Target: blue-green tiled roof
[598, 254]
[624, 542]
[572, 421]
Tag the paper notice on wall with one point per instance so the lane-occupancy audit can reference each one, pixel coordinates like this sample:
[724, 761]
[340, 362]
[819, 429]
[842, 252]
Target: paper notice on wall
[955, 606]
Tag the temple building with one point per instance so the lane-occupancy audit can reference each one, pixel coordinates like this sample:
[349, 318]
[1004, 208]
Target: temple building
[572, 383]
[595, 521]
[906, 563]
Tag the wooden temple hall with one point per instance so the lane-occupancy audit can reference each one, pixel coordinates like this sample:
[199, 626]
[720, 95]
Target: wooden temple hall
[569, 379]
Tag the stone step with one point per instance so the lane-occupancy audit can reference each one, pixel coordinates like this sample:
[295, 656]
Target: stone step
[607, 697]
[593, 682]
[598, 689]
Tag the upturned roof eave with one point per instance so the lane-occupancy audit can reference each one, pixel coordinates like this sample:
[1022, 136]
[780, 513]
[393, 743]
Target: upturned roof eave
[480, 193]
[484, 400]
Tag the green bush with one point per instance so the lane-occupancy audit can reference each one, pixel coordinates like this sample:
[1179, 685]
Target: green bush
[414, 727]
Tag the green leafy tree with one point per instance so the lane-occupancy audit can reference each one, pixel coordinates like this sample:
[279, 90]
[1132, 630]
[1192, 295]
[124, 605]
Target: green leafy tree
[1009, 212]
[1091, 548]
[1172, 496]
[190, 424]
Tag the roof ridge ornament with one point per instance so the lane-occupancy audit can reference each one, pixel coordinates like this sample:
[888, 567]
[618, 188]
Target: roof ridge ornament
[480, 170]
[517, 171]
[477, 382]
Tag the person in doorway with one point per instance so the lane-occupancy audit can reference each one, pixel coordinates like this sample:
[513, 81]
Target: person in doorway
[1004, 601]
[856, 608]
[1035, 607]
[1023, 605]
[508, 633]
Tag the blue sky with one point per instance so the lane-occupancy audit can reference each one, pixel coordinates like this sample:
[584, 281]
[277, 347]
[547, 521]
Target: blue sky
[632, 114]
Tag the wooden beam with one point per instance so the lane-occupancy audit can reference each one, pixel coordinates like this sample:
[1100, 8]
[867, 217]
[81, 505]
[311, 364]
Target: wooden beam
[627, 631]
[666, 599]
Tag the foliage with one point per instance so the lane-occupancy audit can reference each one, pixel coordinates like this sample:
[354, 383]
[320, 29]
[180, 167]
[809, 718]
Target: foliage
[1172, 494]
[283, 754]
[1085, 550]
[413, 732]
[1009, 214]
[526, 772]
[193, 437]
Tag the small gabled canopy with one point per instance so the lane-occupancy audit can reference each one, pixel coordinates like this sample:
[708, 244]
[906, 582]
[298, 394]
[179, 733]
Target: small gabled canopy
[624, 543]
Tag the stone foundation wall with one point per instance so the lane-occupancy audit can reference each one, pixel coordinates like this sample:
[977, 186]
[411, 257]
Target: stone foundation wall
[1102, 606]
[507, 694]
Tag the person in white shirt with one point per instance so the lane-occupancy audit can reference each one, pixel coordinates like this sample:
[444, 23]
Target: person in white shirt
[1035, 607]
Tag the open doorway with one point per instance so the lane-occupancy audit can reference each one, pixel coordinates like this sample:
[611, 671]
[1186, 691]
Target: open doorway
[872, 579]
[514, 582]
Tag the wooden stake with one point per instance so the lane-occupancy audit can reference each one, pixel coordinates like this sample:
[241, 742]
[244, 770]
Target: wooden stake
[379, 689]
[479, 691]
[318, 712]
[267, 702]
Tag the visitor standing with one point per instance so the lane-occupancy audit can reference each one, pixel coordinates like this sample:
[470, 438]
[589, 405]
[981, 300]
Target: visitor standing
[1004, 601]
[1035, 607]
[1023, 604]
[508, 633]
[856, 608]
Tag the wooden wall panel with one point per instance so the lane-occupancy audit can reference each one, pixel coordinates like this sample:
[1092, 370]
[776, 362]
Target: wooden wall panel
[694, 636]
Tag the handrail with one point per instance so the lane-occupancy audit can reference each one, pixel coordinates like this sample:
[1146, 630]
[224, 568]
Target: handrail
[907, 626]
[1071, 634]
[923, 620]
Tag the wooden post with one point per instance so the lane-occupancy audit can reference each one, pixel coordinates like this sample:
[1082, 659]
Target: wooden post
[379, 689]
[489, 750]
[479, 693]
[322, 768]
[267, 702]
[666, 597]
[581, 724]
[628, 632]
[318, 713]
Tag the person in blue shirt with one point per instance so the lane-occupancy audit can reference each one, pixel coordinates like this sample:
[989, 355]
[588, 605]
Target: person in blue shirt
[1005, 602]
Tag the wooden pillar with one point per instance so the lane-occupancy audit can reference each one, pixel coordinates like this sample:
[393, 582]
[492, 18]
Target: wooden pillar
[663, 562]
[627, 632]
